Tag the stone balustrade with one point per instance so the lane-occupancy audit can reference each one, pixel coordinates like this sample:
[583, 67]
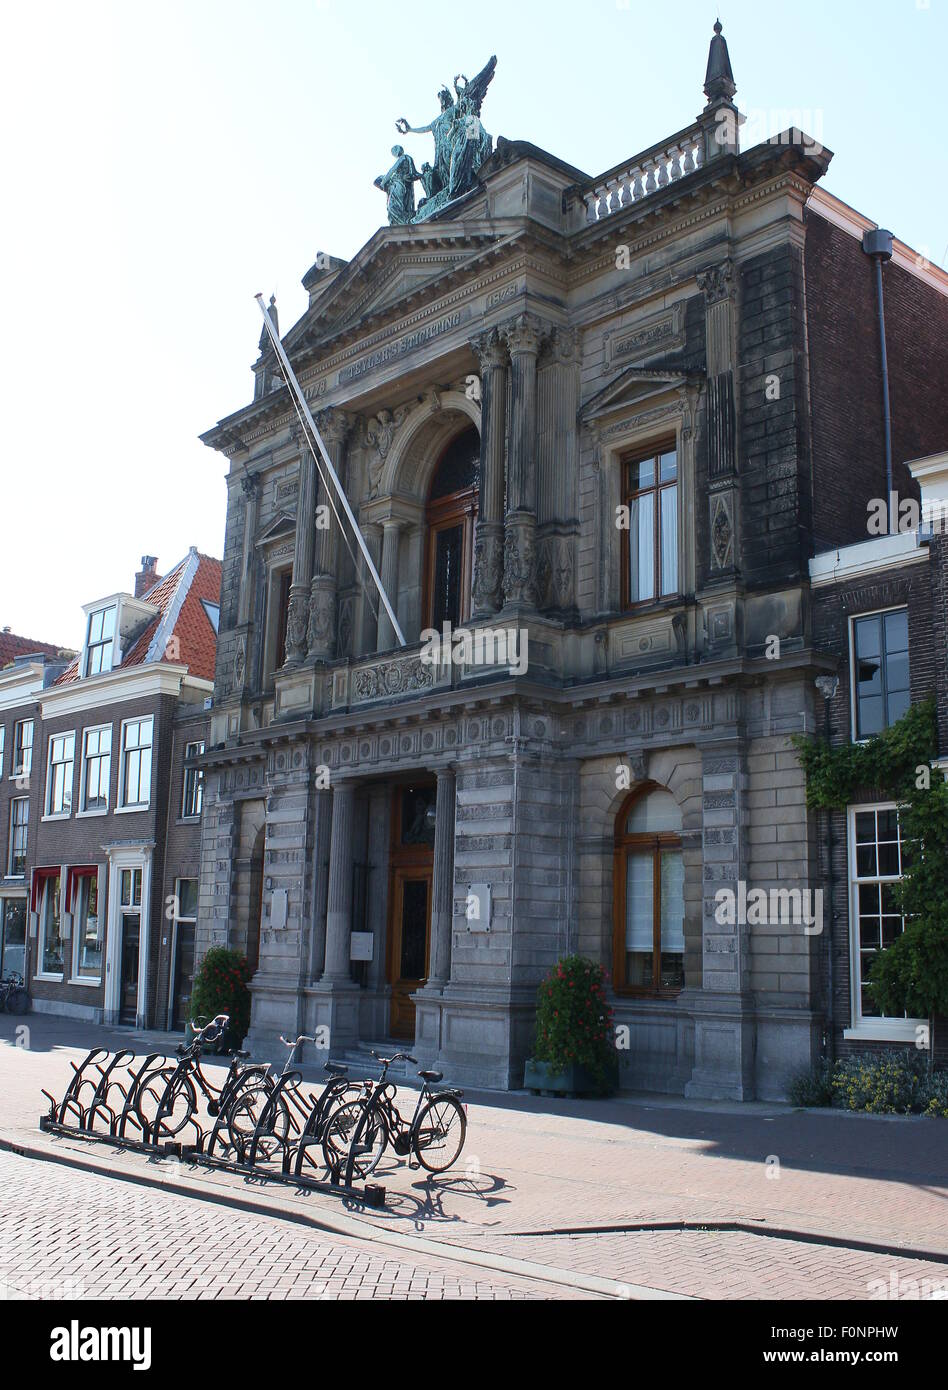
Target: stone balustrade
[648, 172]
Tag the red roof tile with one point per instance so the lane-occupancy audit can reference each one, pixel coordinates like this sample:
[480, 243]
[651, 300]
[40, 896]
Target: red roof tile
[12, 646]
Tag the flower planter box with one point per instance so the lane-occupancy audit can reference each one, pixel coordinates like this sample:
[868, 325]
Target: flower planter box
[541, 1079]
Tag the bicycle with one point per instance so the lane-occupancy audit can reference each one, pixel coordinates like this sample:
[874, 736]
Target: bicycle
[359, 1131]
[168, 1100]
[287, 1118]
[13, 995]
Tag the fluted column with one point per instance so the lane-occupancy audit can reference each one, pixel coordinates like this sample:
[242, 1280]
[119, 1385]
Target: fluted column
[298, 616]
[317, 945]
[391, 534]
[523, 341]
[442, 881]
[334, 426]
[487, 590]
[339, 900]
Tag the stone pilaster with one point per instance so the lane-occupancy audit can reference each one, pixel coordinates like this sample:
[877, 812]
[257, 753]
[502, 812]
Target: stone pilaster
[317, 940]
[723, 1007]
[334, 426]
[339, 896]
[442, 882]
[523, 338]
[487, 591]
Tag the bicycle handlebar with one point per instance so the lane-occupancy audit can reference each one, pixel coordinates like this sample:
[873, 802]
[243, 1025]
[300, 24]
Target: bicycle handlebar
[399, 1057]
[303, 1037]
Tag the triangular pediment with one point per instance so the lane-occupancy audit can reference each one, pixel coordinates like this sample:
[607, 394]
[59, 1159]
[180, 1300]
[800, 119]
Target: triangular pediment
[634, 388]
[279, 529]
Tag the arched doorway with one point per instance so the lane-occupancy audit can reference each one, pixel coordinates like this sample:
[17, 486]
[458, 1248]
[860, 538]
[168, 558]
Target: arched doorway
[450, 514]
[411, 860]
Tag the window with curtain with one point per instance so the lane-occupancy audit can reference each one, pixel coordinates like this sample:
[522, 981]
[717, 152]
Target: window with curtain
[87, 928]
[650, 543]
[648, 888]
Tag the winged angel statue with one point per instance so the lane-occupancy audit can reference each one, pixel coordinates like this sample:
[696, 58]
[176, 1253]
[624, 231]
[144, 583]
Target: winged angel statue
[461, 147]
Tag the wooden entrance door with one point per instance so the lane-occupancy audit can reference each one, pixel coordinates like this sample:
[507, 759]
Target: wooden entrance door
[183, 975]
[409, 922]
[128, 990]
[410, 939]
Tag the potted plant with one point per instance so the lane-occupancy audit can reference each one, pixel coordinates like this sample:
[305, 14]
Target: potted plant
[220, 987]
[574, 1052]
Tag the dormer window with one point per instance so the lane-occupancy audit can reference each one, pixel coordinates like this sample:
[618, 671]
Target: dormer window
[99, 641]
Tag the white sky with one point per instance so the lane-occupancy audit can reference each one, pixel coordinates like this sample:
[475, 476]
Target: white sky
[161, 164]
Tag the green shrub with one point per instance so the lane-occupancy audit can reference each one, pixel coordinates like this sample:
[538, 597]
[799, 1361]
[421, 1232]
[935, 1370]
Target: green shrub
[220, 987]
[881, 1083]
[574, 1021]
[813, 1086]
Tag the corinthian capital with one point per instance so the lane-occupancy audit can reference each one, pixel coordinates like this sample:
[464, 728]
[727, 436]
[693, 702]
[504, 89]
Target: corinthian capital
[715, 281]
[334, 425]
[523, 334]
[490, 349]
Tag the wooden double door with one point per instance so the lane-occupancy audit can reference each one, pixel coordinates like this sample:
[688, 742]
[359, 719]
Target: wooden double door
[409, 920]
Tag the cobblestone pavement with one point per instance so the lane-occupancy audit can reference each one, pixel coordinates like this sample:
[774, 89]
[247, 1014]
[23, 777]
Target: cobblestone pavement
[69, 1234]
[534, 1168]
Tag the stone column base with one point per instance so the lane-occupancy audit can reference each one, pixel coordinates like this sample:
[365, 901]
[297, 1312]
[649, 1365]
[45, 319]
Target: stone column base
[333, 1006]
[725, 1044]
[477, 1037]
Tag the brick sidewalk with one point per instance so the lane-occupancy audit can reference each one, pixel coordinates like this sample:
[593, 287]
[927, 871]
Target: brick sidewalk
[532, 1167]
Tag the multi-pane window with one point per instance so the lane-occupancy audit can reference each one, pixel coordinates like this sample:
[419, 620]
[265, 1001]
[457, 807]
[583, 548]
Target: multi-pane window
[130, 888]
[99, 641]
[87, 927]
[876, 867]
[881, 670]
[62, 752]
[23, 748]
[3, 736]
[96, 768]
[649, 896]
[282, 583]
[136, 761]
[650, 541]
[19, 828]
[193, 782]
[51, 944]
[449, 518]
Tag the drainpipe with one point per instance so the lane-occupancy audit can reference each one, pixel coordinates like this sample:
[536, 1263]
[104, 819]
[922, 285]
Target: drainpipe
[828, 686]
[878, 245]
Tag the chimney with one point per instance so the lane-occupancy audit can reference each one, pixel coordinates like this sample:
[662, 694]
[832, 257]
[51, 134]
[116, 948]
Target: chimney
[147, 576]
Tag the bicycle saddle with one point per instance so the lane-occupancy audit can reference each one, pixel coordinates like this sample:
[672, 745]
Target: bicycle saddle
[336, 1069]
[238, 1053]
[431, 1076]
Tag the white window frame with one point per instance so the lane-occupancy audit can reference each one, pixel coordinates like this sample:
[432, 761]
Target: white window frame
[14, 801]
[124, 806]
[19, 770]
[868, 1029]
[88, 647]
[42, 974]
[47, 800]
[87, 981]
[133, 857]
[198, 745]
[853, 705]
[3, 741]
[85, 810]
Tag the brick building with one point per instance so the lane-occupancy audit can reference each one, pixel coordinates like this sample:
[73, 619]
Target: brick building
[115, 803]
[614, 418]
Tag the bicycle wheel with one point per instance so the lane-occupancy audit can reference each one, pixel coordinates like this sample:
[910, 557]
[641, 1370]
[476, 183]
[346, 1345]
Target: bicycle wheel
[17, 1001]
[344, 1129]
[177, 1110]
[438, 1134]
[245, 1115]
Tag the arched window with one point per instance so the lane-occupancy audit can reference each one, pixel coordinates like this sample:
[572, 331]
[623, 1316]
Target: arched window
[449, 527]
[648, 895]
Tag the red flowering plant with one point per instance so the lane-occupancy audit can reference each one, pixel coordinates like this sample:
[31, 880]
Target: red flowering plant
[220, 987]
[574, 1021]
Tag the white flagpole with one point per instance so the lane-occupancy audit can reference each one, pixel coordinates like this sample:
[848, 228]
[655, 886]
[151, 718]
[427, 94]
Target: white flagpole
[340, 491]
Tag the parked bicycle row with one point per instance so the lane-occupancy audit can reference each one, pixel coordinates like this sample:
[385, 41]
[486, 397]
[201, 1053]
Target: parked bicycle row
[257, 1119]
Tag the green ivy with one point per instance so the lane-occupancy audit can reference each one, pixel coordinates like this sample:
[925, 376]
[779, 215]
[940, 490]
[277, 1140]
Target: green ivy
[886, 764]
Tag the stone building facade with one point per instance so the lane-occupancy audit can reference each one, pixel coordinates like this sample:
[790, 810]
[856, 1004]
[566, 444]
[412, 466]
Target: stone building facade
[582, 411]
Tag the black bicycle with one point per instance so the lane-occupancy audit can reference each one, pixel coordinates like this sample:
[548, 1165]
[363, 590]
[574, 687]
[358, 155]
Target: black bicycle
[359, 1131]
[168, 1100]
[13, 995]
[288, 1122]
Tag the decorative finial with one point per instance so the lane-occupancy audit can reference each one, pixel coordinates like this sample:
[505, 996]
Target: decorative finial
[265, 344]
[719, 81]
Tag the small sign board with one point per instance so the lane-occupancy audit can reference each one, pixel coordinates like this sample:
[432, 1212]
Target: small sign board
[278, 908]
[477, 907]
[361, 945]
